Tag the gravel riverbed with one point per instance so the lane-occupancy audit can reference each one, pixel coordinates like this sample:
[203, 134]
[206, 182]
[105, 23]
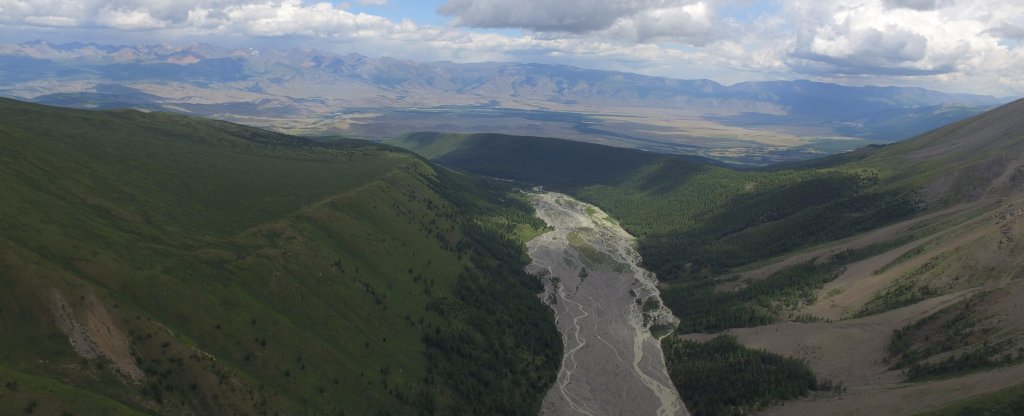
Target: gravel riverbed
[605, 306]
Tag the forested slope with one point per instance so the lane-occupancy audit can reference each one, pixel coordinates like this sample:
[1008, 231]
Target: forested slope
[159, 264]
[692, 216]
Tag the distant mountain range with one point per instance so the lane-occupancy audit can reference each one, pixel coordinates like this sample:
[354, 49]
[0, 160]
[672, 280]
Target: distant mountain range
[304, 91]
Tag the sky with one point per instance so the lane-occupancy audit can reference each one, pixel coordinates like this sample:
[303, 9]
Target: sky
[972, 46]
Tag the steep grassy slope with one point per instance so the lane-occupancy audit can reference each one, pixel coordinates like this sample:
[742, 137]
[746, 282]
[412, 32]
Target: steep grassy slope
[158, 264]
[969, 160]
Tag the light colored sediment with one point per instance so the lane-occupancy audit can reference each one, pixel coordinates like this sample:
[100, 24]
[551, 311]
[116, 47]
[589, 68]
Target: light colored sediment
[92, 333]
[612, 364]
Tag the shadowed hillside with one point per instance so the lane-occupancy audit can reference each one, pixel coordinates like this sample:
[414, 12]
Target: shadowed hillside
[556, 163]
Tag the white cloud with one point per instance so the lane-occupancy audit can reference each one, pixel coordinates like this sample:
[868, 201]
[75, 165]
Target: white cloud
[972, 45]
[54, 21]
[129, 20]
[942, 43]
[690, 22]
[917, 4]
[575, 16]
[687, 23]
[291, 18]
[1006, 31]
[570, 16]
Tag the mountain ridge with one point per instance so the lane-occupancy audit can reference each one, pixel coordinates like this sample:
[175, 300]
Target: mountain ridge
[353, 62]
[311, 92]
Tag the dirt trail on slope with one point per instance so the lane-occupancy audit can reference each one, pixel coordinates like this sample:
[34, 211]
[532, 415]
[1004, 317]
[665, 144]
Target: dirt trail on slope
[612, 364]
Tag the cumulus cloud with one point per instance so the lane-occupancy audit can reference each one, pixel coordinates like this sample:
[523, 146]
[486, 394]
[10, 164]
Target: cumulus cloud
[690, 23]
[917, 4]
[129, 20]
[868, 47]
[291, 18]
[1007, 31]
[205, 17]
[115, 13]
[869, 38]
[686, 21]
[973, 44]
[543, 15]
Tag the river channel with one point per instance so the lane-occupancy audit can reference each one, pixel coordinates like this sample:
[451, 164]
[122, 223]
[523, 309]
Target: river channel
[606, 307]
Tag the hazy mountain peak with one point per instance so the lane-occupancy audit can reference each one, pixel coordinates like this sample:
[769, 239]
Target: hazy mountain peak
[238, 84]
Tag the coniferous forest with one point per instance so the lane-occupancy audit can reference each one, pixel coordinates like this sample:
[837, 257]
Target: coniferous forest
[721, 377]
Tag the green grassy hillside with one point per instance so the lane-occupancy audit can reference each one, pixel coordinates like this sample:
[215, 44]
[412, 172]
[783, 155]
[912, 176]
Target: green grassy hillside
[159, 264]
[692, 218]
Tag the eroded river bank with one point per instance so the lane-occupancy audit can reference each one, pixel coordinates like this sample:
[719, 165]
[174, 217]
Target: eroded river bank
[606, 307]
